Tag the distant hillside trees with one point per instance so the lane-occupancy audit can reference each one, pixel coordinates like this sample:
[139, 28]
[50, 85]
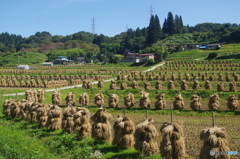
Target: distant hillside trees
[173, 25]
[110, 47]
[10, 42]
[214, 32]
[154, 30]
[178, 25]
[98, 39]
[82, 36]
[234, 36]
[106, 44]
[134, 40]
[169, 26]
[36, 40]
[88, 51]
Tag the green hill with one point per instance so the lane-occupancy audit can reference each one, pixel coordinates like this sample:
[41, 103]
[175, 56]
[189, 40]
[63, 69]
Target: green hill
[28, 58]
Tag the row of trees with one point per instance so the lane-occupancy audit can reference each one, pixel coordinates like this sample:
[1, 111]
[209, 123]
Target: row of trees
[10, 42]
[145, 37]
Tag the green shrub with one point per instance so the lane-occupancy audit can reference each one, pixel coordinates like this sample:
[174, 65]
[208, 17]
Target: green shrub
[212, 55]
[150, 61]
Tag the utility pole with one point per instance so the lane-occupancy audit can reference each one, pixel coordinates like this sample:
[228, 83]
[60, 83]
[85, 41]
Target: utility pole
[93, 25]
[151, 11]
[18, 58]
[105, 57]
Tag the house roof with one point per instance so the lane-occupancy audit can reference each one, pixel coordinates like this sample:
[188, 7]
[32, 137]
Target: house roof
[203, 47]
[148, 54]
[131, 53]
[193, 44]
[213, 44]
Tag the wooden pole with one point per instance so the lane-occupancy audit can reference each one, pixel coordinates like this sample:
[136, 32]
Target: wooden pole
[81, 102]
[101, 103]
[124, 111]
[213, 120]
[171, 112]
[147, 114]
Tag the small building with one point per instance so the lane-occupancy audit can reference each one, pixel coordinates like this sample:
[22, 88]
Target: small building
[62, 60]
[146, 57]
[210, 47]
[213, 46]
[23, 67]
[131, 57]
[47, 64]
[81, 59]
[136, 58]
[193, 46]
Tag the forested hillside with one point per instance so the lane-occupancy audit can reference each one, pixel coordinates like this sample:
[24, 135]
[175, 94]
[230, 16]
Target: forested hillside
[168, 37]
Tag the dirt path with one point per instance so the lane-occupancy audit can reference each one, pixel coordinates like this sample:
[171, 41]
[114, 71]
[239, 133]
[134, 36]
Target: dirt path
[80, 85]
[154, 67]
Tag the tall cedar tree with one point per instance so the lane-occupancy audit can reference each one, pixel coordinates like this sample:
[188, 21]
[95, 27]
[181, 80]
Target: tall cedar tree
[158, 28]
[181, 21]
[164, 29]
[178, 24]
[170, 24]
[154, 30]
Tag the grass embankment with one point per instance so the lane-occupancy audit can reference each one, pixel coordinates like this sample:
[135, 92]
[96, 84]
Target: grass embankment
[21, 139]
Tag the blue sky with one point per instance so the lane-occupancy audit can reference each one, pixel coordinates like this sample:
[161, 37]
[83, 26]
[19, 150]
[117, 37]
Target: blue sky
[65, 17]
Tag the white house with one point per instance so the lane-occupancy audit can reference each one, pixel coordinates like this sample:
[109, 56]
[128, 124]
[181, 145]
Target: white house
[23, 67]
[47, 64]
[146, 57]
[136, 58]
[131, 57]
